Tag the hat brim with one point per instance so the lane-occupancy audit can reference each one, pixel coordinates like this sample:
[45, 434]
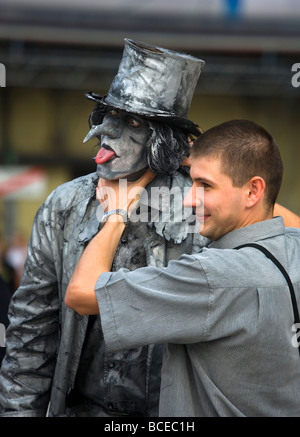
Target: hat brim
[183, 123]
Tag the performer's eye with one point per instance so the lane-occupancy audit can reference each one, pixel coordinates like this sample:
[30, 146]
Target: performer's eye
[113, 112]
[133, 122]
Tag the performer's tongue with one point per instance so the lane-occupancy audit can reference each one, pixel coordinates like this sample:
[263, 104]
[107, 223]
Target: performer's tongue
[104, 155]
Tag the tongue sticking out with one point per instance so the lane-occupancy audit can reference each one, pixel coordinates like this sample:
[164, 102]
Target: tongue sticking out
[104, 155]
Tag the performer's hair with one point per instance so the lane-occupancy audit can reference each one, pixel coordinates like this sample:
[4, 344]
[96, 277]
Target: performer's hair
[167, 144]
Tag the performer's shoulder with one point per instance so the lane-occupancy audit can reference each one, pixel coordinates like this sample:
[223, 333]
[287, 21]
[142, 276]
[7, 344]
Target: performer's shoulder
[74, 191]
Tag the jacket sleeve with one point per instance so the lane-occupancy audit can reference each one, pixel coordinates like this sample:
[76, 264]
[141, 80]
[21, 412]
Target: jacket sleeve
[32, 336]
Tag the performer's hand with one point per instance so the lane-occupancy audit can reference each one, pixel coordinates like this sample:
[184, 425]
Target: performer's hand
[121, 194]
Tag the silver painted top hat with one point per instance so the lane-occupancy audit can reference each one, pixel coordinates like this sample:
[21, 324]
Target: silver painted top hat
[155, 83]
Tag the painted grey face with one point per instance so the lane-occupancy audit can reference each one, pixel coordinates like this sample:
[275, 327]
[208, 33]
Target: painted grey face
[123, 138]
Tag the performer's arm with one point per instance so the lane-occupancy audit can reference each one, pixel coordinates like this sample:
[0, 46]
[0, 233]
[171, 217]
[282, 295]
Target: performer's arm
[290, 219]
[32, 336]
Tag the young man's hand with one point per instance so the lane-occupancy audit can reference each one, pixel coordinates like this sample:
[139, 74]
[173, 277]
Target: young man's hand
[121, 194]
[99, 253]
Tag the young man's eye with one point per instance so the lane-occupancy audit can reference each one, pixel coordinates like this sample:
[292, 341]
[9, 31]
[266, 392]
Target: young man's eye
[204, 185]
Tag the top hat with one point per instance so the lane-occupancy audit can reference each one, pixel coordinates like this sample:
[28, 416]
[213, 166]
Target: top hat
[155, 83]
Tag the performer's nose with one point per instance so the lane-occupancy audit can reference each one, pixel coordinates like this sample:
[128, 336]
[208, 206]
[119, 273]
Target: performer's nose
[108, 128]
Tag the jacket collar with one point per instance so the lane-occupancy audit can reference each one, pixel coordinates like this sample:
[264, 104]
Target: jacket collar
[89, 224]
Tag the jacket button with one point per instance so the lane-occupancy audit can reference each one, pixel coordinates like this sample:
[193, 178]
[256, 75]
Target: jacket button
[111, 365]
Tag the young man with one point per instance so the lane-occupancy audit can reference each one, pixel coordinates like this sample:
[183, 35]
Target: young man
[226, 315]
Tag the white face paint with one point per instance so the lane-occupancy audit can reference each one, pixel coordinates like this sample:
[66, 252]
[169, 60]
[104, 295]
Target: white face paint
[122, 153]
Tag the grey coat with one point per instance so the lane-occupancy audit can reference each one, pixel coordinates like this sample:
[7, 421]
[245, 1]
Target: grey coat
[45, 338]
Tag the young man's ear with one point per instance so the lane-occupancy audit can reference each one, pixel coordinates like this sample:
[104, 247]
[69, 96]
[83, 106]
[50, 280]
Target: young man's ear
[255, 190]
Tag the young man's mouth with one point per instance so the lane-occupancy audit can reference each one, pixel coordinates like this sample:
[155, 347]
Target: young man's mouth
[202, 218]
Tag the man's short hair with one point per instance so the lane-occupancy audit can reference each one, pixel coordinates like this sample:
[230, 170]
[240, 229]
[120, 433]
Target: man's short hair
[245, 150]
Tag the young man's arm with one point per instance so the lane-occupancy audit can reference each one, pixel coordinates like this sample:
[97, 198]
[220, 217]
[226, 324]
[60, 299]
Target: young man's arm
[95, 260]
[98, 256]
[290, 219]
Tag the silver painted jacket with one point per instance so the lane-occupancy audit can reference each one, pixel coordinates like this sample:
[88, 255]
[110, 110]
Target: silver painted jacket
[45, 338]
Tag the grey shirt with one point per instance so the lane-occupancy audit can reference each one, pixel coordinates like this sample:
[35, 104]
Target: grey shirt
[227, 318]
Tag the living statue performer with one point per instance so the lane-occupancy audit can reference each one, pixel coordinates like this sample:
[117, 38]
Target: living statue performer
[56, 361]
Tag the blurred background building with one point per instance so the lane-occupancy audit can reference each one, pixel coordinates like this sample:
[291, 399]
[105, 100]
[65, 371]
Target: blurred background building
[55, 51]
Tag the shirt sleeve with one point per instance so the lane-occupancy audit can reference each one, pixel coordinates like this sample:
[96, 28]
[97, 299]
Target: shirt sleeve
[154, 305]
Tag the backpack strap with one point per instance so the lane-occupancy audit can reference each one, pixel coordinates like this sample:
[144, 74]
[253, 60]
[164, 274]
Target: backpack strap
[285, 274]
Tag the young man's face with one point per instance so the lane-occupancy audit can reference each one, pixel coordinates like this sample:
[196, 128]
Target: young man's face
[222, 205]
[122, 153]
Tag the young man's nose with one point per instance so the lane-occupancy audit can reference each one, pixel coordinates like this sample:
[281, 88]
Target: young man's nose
[194, 197]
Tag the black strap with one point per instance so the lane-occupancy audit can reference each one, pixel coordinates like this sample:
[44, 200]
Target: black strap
[285, 274]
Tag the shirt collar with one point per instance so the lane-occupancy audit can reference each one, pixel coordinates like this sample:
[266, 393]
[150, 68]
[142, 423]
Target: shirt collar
[256, 231]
